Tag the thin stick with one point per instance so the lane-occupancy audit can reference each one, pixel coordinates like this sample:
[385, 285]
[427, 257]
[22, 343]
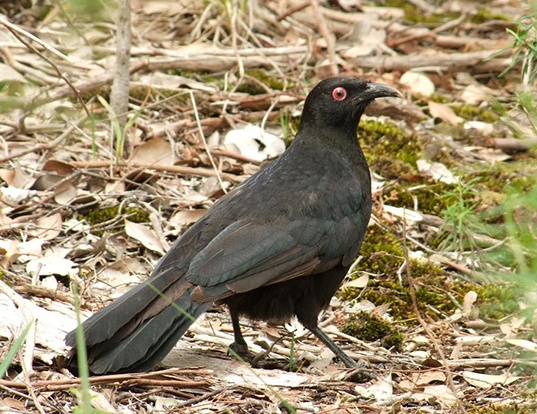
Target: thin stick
[200, 130]
[60, 74]
[14, 28]
[177, 169]
[41, 147]
[425, 326]
[329, 37]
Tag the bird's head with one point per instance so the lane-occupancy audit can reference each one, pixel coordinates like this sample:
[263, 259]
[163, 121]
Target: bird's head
[340, 102]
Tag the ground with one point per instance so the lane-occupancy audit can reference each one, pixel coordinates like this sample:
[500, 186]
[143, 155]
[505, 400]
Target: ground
[439, 307]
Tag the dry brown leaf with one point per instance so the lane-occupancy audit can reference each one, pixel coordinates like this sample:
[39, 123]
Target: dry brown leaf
[13, 403]
[360, 282]
[144, 235]
[65, 193]
[474, 94]
[115, 282]
[426, 377]
[486, 380]
[381, 389]
[523, 343]
[46, 181]
[437, 171]
[156, 151]
[440, 392]
[9, 251]
[51, 264]
[468, 303]
[47, 227]
[382, 310]
[16, 177]
[59, 167]
[444, 112]
[187, 217]
[129, 264]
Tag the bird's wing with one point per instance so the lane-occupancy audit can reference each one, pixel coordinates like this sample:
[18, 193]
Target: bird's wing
[247, 255]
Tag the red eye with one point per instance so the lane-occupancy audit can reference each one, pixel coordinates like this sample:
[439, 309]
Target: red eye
[339, 93]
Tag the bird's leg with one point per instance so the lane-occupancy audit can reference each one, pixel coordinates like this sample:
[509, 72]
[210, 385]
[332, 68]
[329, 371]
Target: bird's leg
[325, 339]
[239, 346]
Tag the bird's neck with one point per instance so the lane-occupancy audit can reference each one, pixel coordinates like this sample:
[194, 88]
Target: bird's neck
[341, 139]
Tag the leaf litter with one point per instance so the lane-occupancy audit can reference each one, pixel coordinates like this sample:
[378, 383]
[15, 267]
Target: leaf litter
[57, 166]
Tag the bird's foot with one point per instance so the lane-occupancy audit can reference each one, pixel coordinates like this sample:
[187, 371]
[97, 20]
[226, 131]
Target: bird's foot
[359, 374]
[238, 348]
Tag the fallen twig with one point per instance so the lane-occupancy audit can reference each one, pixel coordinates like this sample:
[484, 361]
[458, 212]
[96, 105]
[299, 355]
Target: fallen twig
[511, 144]
[143, 379]
[475, 62]
[177, 169]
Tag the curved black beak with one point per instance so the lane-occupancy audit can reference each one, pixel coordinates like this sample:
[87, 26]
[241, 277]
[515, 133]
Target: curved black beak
[379, 90]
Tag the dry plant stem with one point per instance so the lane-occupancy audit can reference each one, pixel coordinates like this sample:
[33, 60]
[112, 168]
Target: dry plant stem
[202, 135]
[397, 30]
[13, 392]
[207, 61]
[16, 29]
[473, 61]
[34, 75]
[119, 96]
[127, 382]
[84, 86]
[214, 63]
[155, 219]
[50, 62]
[234, 35]
[43, 147]
[176, 169]
[511, 144]
[447, 26]
[374, 357]
[26, 308]
[235, 156]
[44, 293]
[422, 5]
[425, 326]
[200, 398]
[122, 379]
[31, 390]
[454, 265]
[328, 37]
[442, 259]
[293, 9]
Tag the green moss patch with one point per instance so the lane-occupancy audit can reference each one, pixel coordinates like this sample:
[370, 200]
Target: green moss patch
[501, 409]
[513, 177]
[371, 328]
[415, 15]
[383, 255]
[474, 113]
[389, 150]
[440, 98]
[430, 197]
[100, 216]
[436, 290]
[497, 301]
[257, 82]
[486, 15]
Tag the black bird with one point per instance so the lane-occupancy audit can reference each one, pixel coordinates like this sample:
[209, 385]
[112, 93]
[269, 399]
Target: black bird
[278, 245]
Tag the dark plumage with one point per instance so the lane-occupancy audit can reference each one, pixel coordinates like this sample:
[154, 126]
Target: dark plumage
[277, 246]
